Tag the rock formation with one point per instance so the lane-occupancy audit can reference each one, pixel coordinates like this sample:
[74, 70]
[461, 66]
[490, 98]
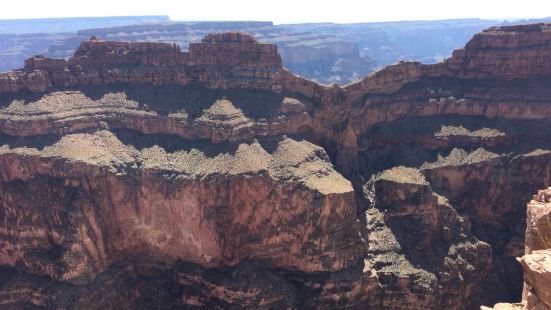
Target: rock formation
[422, 251]
[217, 62]
[536, 261]
[215, 178]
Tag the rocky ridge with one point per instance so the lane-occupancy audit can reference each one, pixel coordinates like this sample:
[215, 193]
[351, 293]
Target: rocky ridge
[98, 62]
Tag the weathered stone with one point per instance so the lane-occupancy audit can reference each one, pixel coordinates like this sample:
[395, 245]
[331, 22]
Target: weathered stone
[537, 275]
[538, 222]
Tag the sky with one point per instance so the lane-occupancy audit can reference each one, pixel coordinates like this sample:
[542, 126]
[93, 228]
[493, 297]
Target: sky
[282, 11]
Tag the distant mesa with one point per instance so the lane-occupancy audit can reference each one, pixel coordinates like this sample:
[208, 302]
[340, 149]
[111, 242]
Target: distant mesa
[229, 37]
[221, 61]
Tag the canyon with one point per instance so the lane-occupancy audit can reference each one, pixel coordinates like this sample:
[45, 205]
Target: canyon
[140, 175]
[324, 52]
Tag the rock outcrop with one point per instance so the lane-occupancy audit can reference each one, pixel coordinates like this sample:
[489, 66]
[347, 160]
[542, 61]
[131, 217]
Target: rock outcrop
[201, 171]
[421, 249]
[510, 52]
[538, 222]
[232, 60]
[537, 276]
[536, 261]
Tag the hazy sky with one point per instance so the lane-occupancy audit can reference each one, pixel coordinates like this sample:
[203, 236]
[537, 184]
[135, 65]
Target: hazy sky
[282, 11]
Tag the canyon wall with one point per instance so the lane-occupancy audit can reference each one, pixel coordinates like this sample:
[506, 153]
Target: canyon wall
[216, 178]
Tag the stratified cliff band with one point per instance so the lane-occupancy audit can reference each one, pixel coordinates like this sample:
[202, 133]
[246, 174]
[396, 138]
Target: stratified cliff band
[135, 175]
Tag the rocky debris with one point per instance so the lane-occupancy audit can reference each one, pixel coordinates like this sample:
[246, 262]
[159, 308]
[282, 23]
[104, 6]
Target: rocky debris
[446, 131]
[459, 157]
[222, 114]
[420, 248]
[459, 135]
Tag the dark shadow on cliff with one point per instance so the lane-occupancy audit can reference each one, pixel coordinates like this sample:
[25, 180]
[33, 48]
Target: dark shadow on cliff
[38, 142]
[535, 89]
[417, 140]
[271, 143]
[142, 282]
[128, 284]
[255, 103]
[25, 96]
[174, 143]
[409, 231]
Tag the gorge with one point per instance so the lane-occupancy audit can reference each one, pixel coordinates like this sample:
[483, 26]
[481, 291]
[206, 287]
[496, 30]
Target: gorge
[137, 175]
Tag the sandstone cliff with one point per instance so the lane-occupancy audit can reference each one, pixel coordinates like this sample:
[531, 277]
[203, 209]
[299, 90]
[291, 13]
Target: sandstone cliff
[216, 178]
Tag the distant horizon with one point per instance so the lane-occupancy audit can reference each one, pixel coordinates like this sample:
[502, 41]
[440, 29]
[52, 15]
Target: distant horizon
[282, 11]
[170, 19]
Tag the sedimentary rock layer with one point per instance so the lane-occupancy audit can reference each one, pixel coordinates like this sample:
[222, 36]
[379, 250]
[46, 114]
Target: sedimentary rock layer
[211, 205]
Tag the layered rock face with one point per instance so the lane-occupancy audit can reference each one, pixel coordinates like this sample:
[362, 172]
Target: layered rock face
[232, 60]
[508, 52]
[215, 178]
[180, 204]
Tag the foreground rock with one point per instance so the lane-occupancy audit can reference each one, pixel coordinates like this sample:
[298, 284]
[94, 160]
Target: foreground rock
[537, 274]
[536, 263]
